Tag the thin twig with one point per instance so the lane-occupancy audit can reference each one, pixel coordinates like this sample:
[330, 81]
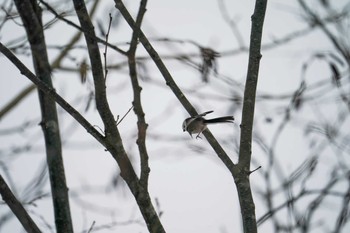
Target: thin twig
[118, 122]
[105, 52]
[232, 24]
[80, 28]
[250, 172]
[91, 227]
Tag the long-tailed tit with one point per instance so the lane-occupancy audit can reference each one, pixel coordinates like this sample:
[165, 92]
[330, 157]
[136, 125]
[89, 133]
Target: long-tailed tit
[198, 124]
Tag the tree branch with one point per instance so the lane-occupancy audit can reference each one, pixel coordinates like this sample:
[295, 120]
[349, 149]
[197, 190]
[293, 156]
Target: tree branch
[113, 138]
[141, 122]
[171, 83]
[17, 208]
[55, 64]
[52, 93]
[241, 175]
[30, 13]
[81, 29]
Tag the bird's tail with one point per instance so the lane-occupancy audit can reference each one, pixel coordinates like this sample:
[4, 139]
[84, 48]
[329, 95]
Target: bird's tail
[226, 119]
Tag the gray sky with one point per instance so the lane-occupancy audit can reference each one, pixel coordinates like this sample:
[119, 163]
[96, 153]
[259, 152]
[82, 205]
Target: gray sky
[195, 192]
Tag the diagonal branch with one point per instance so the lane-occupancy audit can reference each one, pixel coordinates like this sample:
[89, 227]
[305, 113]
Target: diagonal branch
[52, 93]
[81, 29]
[55, 64]
[342, 49]
[17, 208]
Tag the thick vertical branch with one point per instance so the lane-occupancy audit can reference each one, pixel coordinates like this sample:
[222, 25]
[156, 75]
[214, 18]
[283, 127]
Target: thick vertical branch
[241, 176]
[251, 83]
[31, 17]
[113, 139]
[114, 142]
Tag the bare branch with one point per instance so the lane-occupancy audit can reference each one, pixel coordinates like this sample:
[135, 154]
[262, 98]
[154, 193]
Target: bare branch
[52, 93]
[31, 17]
[245, 148]
[141, 122]
[17, 208]
[105, 53]
[172, 84]
[113, 138]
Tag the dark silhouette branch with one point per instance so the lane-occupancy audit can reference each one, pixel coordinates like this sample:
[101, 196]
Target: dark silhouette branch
[17, 208]
[105, 52]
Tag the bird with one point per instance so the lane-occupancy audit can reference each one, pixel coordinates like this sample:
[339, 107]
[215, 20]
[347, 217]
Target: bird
[197, 124]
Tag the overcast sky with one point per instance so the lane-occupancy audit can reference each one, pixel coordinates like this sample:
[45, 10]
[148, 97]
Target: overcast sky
[194, 191]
